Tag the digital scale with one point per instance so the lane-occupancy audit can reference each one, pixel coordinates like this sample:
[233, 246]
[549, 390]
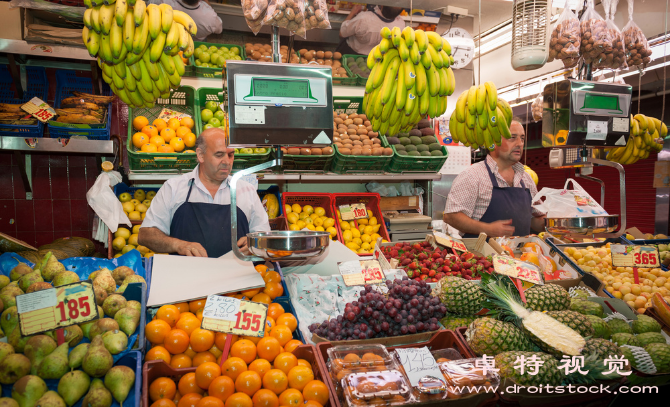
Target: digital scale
[578, 118]
[272, 104]
[407, 226]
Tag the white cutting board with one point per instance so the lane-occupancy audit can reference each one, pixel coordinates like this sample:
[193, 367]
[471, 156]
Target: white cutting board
[183, 278]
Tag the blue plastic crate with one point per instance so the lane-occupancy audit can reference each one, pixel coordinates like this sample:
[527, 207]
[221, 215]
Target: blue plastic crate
[273, 189]
[36, 85]
[121, 188]
[66, 83]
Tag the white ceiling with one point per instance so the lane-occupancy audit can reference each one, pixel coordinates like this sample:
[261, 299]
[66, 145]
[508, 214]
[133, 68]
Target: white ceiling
[440, 5]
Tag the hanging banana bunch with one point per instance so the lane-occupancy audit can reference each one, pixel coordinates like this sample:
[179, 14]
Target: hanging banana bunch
[646, 135]
[481, 119]
[410, 79]
[138, 47]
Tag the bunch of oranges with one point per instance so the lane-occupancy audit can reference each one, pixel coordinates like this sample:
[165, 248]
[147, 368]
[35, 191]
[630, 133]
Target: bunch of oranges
[163, 137]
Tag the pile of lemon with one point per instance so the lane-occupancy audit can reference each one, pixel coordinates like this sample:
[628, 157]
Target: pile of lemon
[125, 241]
[301, 217]
[360, 235]
[136, 205]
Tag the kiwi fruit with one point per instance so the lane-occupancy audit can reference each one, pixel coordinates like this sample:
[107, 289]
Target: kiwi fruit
[422, 147]
[425, 153]
[414, 153]
[428, 140]
[410, 147]
[405, 141]
[435, 147]
[415, 140]
[436, 153]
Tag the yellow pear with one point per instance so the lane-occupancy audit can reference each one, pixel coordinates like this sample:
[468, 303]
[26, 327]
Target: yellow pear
[135, 202]
[151, 194]
[132, 239]
[139, 195]
[146, 202]
[134, 215]
[136, 229]
[122, 232]
[141, 208]
[118, 243]
[125, 197]
[128, 206]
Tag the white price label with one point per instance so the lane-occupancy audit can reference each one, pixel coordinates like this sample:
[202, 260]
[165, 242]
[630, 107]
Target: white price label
[222, 308]
[596, 130]
[249, 114]
[418, 363]
[39, 109]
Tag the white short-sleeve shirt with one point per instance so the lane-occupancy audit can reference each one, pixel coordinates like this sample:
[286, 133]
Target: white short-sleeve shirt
[173, 194]
[362, 31]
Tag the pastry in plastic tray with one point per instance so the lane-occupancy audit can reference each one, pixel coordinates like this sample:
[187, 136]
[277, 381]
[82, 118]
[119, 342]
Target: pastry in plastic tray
[463, 373]
[389, 387]
[351, 357]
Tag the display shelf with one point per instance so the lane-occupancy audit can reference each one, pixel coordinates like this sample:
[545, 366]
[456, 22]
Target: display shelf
[217, 83]
[140, 176]
[56, 145]
[44, 49]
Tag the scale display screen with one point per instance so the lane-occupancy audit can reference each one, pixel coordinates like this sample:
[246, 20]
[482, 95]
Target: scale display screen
[597, 101]
[283, 88]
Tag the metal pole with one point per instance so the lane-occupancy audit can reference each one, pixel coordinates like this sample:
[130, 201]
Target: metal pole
[276, 56]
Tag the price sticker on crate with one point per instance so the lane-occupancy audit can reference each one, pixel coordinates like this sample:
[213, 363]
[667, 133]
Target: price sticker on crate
[514, 268]
[634, 256]
[55, 308]
[167, 114]
[39, 109]
[234, 316]
[353, 211]
[418, 364]
[447, 241]
[361, 272]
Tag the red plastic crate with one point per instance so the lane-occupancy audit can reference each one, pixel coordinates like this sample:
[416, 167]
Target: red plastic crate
[444, 339]
[371, 201]
[322, 199]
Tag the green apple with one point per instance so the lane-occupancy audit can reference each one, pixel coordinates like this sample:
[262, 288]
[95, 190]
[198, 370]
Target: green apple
[212, 49]
[214, 59]
[206, 115]
[198, 63]
[224, 49]
[235, 50]
[211, 105]
[205, 57]
[125, 197]
[214, 122]
[208, 126]
[246, 150]
[221, 63]
[197, 53]
[219, 115]
[203, 47]
[259, 150]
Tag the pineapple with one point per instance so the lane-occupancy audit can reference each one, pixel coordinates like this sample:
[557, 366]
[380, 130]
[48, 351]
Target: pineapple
[619, 326]
[602, 348]
[452, 321]
[547, 332]
[460, 296]
[580, 294]
[548, 297]
[648, 338]
[488, 336]
[644, 323]
[548, 373]
[622, 338]
[600, 328]
[574, 320]
[660, 354]
[587, 307]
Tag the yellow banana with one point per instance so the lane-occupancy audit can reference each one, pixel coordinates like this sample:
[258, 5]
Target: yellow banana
[488, 140]
[421, 40]
[408, 35]
[106, 16]
[390, 80]
[120, 10]
[410, 74]
[495, 133]
[383, 129]
[163, 83]
[377, 105]
[469, 134]
[95, 19]
[116, 38]
[87, 18]
[506, 109]
[396, 36]
[434, 40]
[121, 57]
[502, 124]
[433, 80]
[414, 55]
[460, 107]
[446, 47]
[433, 106]
[166, 17]
[128, 31]
[426, 60]
[479, 136]
[145, 80]
[118, 82]
[377, 53]
[105, 49]
[381, 73]
[452, 129]
[471, 120]
[483, 120]
[183, 37]
[401, 89]
[390, 106]
[371, 61]
[385, 45]
[444, 82]
[421, 82]
[106, 68]
[410, 102]
[84, 36]
[157, 46]
[154, 14]
[172, 38]
[445, 59]
[424, 103]
[491, 94]
[481, 98]
[452, 82]
[139, 12]
[472, 100]
[403, 51]
[141, 38]
[120, 69]
[152, 67]
[93, 43]
[385, 32]
[642, 119]
[435, 58]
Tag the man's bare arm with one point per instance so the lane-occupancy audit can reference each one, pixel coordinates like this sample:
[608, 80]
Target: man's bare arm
[159, 242]
[465, 224]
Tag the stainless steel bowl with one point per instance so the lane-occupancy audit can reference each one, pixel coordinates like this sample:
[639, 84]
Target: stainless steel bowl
[288, 245]
[582, 226]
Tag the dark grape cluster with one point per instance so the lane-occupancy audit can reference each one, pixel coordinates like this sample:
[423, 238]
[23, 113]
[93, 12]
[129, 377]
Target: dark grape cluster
[409, 308]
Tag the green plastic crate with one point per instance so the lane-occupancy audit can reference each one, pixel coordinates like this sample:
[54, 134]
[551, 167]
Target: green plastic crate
[242, 161]
[214, 72]
[182, 100]
[308, 163]
[401, 163]
[190, 68]
[348, 105]
[360, 81]
[359, 164]
[352, 80]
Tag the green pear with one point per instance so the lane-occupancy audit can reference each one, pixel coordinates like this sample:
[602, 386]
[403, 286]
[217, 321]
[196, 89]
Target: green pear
[86, 326]
[65, 277]
[7, 402]
[135, 278]
[97, 360]
[17, 340]
[73, 385]
[103, 325]
[98, 395]
[121, 273]
[77, 355]
[39, 265]
[8, 295]
[52, 268]
[134, 305]
[50, 399]
[128, 319]
[37, 348]
[19, 271]
[100, 294]
[9, 320]
[55, 365]
[113, 304]
[13, 367]
[103, 279]
[5, 349]
[4, 280]
[39, 286]
[73, 334]
[119, 380]
[28, 280]
[28, 389]
[115, 341]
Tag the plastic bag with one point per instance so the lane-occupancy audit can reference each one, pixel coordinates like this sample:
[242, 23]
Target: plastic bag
[103, 201]
[638, 52]
[567, 203]
[287, 14]
[254, 12]
[316, 15]
[614, 57]
[595, 37]
[536, 106]
[566, 38]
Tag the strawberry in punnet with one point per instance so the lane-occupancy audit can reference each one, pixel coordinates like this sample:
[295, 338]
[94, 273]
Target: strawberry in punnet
[424, 271]
[431, 273]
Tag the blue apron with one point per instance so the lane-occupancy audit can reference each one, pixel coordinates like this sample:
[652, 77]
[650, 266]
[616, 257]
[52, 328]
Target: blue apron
[207, 224]
[508, 203]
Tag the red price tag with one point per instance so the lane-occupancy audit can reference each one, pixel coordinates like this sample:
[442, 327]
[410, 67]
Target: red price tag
[59, 307]
[634, 256]
[234, 316]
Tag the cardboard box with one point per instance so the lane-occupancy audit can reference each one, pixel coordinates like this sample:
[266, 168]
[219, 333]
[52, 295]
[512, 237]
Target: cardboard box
[43, 26]
[11, 21]
[399, 203]
[518, 242]
[662, 174]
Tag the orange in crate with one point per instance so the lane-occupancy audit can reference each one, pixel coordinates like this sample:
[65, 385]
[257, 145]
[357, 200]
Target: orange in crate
[276, 381]
[188, 324]
[164, 403]
[260, 366]
[273, 290]
[189, 400]
[181, 361]
[285, 361]
[233, 366]
[275, 310]
[162, 388]
[169, 314]
[291, 345]
[176, 341]
[248, 382]
[187, 384]
[268, 348]
[239, 400]
[299, 376]
[203, 357]
[158, 352]
[156, 331]
[291, 398]
[282, 333]
[222, 387]
[201, 340]
[244, 349]
[316, 390]
[206, 373]
[220, 340]
[262, 297]
[209, 401]
[265, 398]
[195, 305]
[289, 320]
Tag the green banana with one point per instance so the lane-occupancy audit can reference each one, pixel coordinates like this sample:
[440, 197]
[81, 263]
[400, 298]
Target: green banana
[483, 120]
[151, 67]
[128, 31]
[426, 60]
[460, 107]
[488, 140]
[481, 98]
[424, 103]
[163, 83]
[118, 81]
[452, 82]
[471, 121]
[157, 46]
[479, 136]
[131, 83]
[107, 69]
[369, 83]
[390, 106]
[383, 129]
[433, 80]
[390, 80]
[491, 94]
[410, 102]
[179, 65]
[433, 106]
[378, 79]
[443, 82]
[105, 49]
[495, 133]
[401, 91]
[502, 125]
[135, 97]
[120, 69]
[168, 63]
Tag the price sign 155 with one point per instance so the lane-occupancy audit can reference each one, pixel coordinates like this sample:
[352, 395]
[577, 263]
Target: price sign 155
[246, 318]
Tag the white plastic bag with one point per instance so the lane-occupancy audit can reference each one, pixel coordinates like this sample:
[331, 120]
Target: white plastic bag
[565, 39]
[105, 204]
[567, 203]
[536, 106]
